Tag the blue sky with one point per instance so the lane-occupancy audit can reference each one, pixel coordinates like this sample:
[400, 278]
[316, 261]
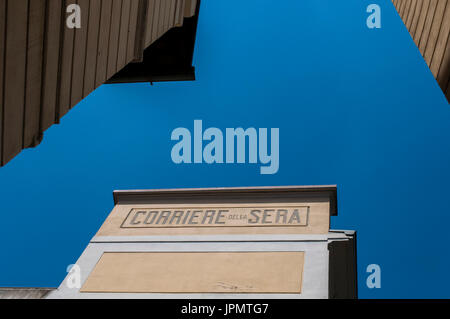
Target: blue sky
[356, 107]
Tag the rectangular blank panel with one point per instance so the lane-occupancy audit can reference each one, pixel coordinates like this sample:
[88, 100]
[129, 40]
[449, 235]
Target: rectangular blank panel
[197, 272]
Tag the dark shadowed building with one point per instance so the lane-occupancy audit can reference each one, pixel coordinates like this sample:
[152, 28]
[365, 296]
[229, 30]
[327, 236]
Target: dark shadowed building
[428, 22]
[46, 68]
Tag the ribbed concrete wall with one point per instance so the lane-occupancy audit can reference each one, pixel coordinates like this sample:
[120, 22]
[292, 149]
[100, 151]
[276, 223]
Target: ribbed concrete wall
[428, 22]
[47, 68]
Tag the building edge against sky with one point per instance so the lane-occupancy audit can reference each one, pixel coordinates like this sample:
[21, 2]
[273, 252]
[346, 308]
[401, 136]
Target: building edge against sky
[428, 23]
[277, 237]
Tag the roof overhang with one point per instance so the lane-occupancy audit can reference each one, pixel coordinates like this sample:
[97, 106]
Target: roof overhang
[169, 58]
[327, 192]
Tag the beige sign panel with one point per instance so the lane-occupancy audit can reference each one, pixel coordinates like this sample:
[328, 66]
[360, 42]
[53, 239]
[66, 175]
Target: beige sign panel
[214, 272]
[217, 217]
[222, 211]
[282, 218]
